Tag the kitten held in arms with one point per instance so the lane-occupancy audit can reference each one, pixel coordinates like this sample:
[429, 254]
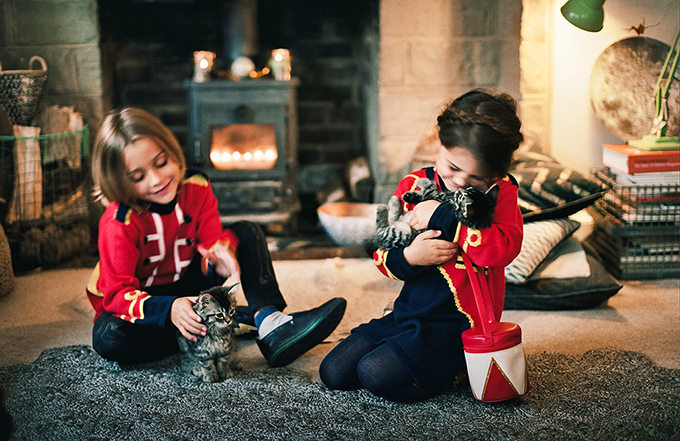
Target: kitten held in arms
[210, 358]
[473, 208]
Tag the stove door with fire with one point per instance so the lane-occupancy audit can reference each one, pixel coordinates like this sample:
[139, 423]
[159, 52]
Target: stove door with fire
[243, 135]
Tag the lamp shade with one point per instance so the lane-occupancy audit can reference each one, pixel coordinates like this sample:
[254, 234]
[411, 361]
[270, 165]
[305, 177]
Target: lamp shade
[584, 14]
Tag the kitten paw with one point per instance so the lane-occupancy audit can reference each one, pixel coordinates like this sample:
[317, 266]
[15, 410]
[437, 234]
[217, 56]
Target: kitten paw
[210, 378]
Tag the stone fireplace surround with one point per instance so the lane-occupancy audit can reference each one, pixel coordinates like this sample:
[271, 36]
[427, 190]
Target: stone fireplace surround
[415, 60]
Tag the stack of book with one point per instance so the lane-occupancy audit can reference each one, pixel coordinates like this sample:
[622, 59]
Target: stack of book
[633, 165]
[636, 230]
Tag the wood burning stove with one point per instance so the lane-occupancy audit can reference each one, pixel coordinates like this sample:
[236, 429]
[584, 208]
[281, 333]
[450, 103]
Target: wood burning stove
[243, 135]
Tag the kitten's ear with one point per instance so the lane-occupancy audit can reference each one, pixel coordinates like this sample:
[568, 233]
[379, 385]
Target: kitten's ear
[231, 290]
[493, 191]
[425, 184]
[203, 298]
[223, 294]
[469, 210]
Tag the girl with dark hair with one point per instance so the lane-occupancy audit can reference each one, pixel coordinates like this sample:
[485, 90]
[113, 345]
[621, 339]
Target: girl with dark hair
[416, 351]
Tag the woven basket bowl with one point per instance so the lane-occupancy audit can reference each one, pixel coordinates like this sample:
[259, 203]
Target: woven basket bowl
[20, 91]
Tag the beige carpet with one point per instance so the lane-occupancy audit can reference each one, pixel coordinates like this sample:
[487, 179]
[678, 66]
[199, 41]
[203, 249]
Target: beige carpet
[49, 309]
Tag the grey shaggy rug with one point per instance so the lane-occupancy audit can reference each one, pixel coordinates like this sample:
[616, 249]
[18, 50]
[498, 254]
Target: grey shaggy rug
[70, 393]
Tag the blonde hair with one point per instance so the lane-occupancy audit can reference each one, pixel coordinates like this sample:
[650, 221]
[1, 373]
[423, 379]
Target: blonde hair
[119, 129]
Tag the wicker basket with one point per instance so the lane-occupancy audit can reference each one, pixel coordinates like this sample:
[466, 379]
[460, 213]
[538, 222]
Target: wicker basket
[20, 91]
[44, 206]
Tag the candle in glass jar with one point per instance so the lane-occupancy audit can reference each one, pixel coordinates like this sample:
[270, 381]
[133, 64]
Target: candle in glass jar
[280, 64]
[203, 63]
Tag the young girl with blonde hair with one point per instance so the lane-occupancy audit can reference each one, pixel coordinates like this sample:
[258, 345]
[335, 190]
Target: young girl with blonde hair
[161, 242]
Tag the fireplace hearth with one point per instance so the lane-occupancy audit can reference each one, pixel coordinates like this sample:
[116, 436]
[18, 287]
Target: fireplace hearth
[243, 136]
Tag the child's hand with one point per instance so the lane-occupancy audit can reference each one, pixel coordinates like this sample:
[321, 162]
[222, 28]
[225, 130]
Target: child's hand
[421, 214]
[425, 250]
[184, 317]
[223, 259]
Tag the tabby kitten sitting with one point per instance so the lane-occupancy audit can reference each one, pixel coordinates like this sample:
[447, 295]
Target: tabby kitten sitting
[472, 207]
[210, 357]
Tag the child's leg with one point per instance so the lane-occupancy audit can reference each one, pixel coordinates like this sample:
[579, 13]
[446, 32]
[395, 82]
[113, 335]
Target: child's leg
[382, 373]
[283, 337]
[339, 369]
[119, 340]
[257, 272]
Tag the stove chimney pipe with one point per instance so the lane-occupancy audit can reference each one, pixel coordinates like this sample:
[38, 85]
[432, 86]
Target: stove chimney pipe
[240, 30]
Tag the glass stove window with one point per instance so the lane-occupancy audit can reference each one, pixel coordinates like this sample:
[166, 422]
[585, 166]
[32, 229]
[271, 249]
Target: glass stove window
[243, 147]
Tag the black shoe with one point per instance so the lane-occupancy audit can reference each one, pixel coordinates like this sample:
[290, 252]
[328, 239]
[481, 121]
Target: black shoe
[244, 323]
[306, 330]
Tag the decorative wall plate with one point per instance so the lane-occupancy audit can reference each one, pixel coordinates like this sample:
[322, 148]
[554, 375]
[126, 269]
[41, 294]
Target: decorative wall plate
[622, 87]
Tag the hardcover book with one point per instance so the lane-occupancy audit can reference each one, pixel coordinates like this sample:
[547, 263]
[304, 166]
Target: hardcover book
[632, 160]
[647, 178]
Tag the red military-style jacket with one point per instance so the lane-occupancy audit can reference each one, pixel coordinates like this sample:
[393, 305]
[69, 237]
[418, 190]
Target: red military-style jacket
[495, 247]
[437, 303]
[154, 246]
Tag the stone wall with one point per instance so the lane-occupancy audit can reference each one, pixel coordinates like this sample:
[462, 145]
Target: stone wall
[428, 56]
[147, 53]
[65, 34]
[333, 52]
[103, 54]
[147, 68]
[536, 75]
[368, 87]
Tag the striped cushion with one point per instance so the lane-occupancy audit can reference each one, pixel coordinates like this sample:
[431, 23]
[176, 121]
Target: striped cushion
[539, 239]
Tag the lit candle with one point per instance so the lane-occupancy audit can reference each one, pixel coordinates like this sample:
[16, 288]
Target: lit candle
[203, 63]
[280, 64]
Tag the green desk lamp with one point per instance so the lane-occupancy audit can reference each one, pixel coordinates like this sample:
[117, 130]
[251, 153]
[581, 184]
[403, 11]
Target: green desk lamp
[657, 139]
[584, 14]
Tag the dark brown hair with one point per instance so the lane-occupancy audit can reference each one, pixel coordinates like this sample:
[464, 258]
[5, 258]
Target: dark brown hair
[487, 125]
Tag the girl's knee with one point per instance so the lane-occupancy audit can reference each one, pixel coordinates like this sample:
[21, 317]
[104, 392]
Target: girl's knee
[326, 373]
[383, 374]
[375, 381]
[337, 375]
[108, 352]
[246, 229]
[338, 369]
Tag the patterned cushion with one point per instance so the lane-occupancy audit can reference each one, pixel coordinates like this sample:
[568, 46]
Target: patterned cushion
[549, 190]
[539, 239]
